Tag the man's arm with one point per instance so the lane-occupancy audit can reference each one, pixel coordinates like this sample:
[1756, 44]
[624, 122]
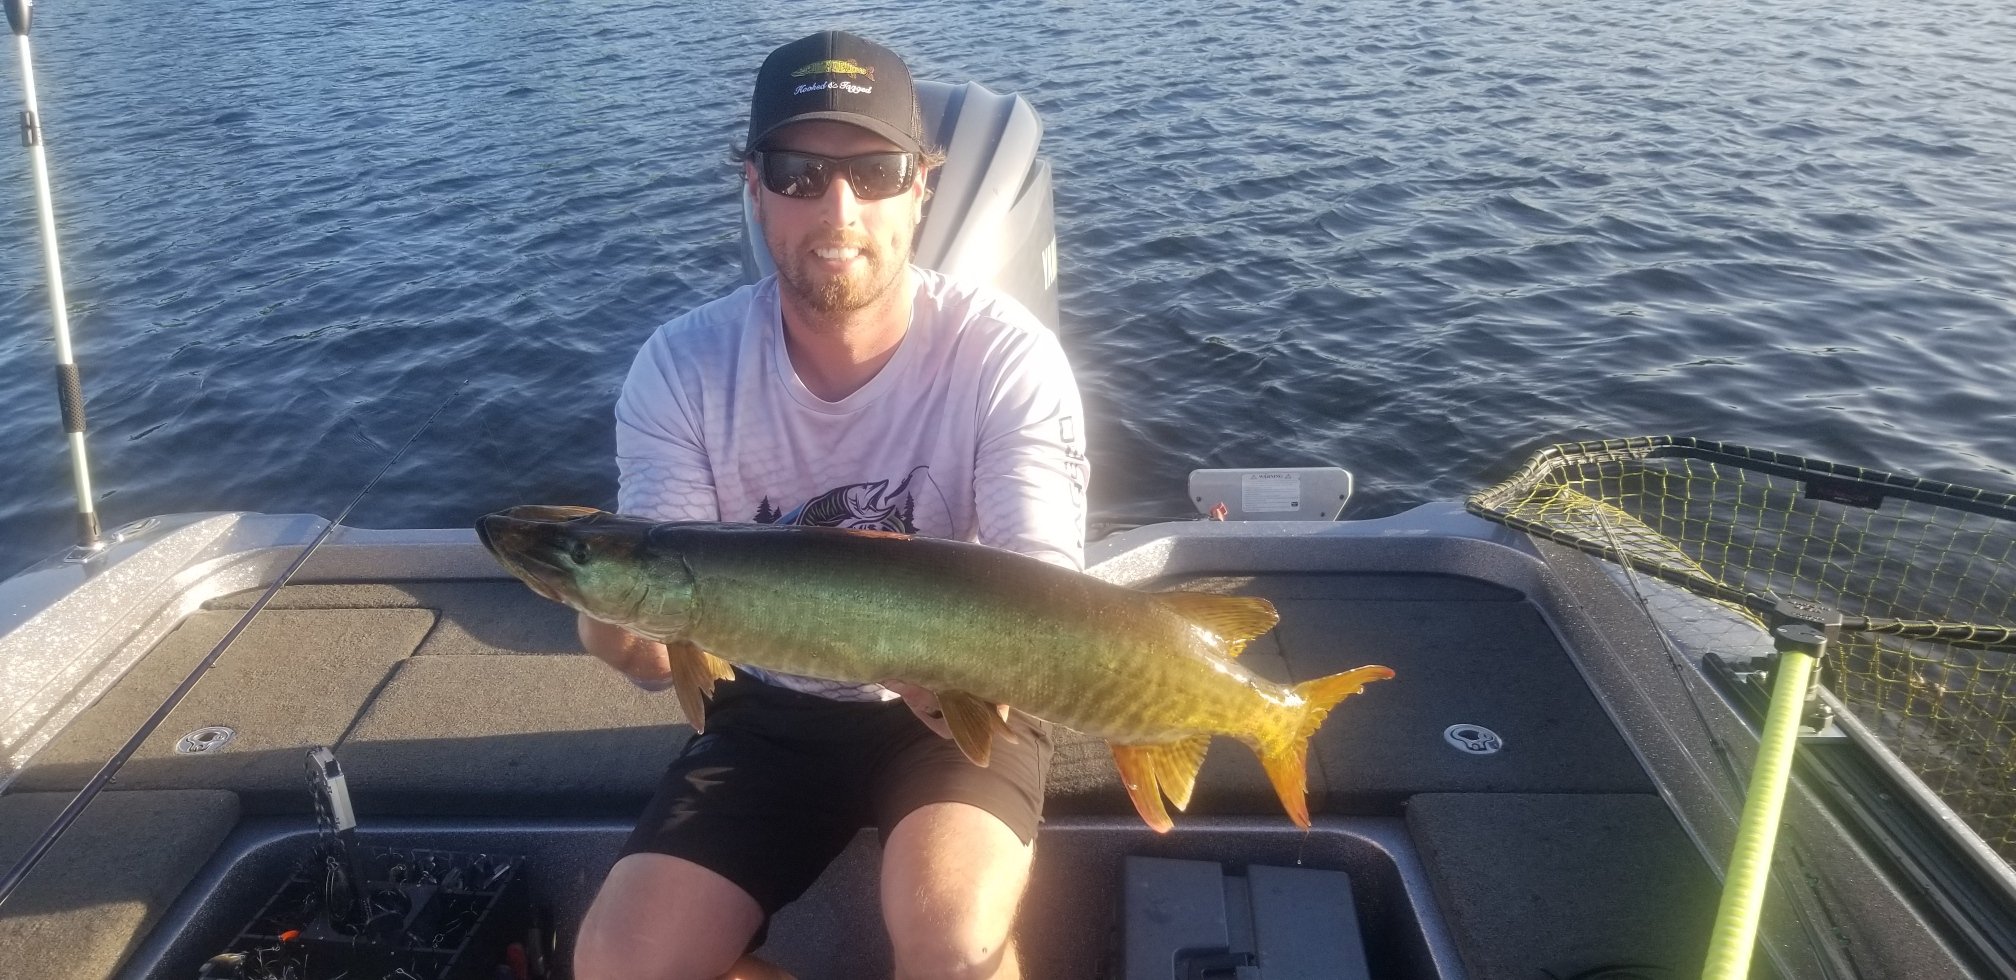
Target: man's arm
[662, 469]
[1029, 475]
[1030, 471]
[662, 473]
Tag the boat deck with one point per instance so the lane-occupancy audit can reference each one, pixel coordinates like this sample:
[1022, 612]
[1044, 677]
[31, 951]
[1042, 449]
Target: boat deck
[465, 717]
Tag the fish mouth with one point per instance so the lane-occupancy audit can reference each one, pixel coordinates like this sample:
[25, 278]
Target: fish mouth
[527, 541]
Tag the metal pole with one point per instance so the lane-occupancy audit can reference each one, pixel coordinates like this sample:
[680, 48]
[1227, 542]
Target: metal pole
[69, 387]
[12, 880]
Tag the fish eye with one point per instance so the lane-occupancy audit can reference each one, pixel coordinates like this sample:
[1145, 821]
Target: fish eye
[579, 553]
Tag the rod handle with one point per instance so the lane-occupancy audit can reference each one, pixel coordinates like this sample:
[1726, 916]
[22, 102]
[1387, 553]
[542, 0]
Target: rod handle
[19, 15]
[70, 391]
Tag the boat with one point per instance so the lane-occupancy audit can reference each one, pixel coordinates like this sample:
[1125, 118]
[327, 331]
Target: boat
[286, 726]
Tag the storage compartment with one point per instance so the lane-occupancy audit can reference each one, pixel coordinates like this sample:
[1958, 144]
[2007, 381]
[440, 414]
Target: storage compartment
[1071, 922]
[1198, 920]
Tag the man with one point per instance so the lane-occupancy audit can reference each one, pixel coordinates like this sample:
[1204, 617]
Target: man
[850, 389]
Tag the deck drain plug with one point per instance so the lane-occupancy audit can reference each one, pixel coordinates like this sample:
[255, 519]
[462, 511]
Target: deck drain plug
[1474, 739]
[202, 740]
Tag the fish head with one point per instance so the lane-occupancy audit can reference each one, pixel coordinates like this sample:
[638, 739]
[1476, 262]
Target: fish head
[601, 564]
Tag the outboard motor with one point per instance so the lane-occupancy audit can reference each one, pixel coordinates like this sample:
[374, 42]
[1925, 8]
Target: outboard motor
[989, 219]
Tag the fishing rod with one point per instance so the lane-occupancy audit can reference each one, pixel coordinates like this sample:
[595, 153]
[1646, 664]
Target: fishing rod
[69, 386]
[33, 856]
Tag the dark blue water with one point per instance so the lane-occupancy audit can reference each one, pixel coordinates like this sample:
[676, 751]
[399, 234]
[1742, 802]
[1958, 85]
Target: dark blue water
[1415, 238]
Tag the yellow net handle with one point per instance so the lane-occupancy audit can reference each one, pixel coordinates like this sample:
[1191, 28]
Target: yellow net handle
[1736, 919]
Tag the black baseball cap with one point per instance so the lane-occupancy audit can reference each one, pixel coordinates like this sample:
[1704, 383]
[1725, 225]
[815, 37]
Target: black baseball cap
[839, 76]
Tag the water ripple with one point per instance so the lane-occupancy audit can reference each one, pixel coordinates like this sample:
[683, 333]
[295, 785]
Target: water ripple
[1419, 242]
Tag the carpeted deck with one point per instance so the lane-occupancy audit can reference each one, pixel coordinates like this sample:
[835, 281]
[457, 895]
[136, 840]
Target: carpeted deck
[1539, 885]
[96, 895]
[472, 699]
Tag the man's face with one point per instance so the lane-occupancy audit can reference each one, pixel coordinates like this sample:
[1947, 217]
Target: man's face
[836, 253]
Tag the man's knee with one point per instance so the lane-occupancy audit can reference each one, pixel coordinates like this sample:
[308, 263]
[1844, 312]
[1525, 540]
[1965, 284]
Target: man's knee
[602, 952]
[663, 918]
[953, 953]
[953, 875]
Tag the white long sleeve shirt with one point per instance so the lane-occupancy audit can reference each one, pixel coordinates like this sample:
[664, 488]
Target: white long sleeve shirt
[973, 431]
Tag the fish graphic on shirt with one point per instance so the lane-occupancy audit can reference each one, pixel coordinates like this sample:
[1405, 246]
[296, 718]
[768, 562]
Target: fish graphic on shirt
[873, 506]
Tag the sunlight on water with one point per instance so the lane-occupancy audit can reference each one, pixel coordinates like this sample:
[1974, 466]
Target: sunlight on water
[1413, 238]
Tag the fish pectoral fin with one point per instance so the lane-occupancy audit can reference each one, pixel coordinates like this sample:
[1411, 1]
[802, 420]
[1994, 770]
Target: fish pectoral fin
[694, 672]
[717, 668]
[1236, 619]
[1137, 773]
[1176, 766]
[869, 532]
[973, 723]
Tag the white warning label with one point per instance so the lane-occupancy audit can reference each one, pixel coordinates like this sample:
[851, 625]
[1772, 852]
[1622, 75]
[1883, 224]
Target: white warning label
[1270, 493]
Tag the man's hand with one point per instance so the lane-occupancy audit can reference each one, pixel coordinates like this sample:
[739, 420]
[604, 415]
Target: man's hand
[645, 662]
[925, 705]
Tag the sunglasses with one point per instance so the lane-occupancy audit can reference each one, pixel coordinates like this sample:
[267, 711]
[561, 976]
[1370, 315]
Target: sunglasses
[873, 176]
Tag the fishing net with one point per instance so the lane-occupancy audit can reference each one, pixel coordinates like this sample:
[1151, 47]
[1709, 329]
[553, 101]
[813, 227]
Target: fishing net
[1924, 572]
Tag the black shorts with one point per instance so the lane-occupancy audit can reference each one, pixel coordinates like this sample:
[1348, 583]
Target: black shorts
[782, 781]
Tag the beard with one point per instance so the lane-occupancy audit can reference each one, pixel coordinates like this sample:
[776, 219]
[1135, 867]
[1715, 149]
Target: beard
[861, 285]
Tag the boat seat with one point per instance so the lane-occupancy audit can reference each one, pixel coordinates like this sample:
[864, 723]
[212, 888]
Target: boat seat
[101, 888]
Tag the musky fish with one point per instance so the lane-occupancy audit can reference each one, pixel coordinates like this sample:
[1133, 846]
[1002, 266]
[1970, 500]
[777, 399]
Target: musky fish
[1152, 673]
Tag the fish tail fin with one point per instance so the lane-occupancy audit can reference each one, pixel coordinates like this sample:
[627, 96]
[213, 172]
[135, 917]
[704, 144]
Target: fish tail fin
[1286, 756]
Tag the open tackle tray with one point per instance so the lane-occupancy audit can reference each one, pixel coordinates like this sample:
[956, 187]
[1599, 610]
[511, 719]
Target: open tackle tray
[427, 915]
[352, 912]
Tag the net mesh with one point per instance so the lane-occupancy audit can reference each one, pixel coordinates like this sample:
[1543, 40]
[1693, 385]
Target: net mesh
[1925, 571]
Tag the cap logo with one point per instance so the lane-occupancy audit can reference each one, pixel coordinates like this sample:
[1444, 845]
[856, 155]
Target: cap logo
[834, 66]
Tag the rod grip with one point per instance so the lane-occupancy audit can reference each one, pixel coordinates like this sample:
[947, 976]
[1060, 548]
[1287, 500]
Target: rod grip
[70, 389]
[19, 14]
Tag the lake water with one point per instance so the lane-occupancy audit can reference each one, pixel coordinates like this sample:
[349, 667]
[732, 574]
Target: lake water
[1415, 238]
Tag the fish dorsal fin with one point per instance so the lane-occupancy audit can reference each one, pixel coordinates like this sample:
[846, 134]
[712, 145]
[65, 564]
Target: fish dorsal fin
[1236, 619]
[694, 672]
[974, 723]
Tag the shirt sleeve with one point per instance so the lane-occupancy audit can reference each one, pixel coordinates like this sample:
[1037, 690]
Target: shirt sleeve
[662, 469]
[1030, 471]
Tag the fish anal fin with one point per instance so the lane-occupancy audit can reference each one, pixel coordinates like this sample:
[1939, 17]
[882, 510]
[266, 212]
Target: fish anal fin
[1288, 770]
[973, 723]
[1236, 619]
[1176, 766]
[1137, 772]
[694, 672]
